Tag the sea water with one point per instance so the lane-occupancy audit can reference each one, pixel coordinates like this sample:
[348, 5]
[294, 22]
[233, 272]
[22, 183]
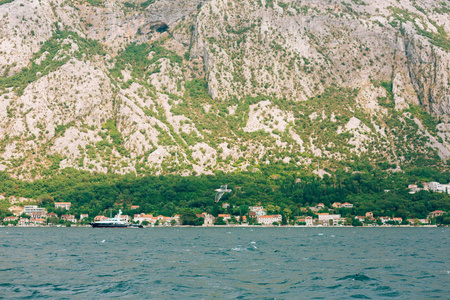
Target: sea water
[225, 263]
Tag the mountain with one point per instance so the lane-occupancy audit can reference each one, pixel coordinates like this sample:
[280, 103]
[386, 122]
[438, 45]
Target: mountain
[190, 87]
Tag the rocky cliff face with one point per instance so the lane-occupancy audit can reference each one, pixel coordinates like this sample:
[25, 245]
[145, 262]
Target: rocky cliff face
[197, 86]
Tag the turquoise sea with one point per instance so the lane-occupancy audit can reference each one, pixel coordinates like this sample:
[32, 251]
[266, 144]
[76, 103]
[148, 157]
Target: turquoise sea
[225, 263]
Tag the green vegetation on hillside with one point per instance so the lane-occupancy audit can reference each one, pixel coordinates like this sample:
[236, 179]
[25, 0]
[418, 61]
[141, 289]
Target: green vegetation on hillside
[278, 188]
[137, 57]
[5, 1]
[54, 53]
[440, 39]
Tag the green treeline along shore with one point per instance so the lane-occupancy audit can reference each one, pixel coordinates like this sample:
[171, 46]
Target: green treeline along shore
[283, 189]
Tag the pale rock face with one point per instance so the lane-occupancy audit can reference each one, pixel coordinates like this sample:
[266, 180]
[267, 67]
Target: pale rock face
[263, 64]
[21, 19]
[368, 99]
[263, 116]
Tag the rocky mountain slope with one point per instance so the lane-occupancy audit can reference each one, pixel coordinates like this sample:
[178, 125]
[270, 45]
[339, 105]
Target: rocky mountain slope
[196, 86]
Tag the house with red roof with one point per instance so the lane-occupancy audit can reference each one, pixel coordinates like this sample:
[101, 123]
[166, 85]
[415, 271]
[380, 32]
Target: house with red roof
[38, 221]
[436, 213]
[10, 219]
[269, 219]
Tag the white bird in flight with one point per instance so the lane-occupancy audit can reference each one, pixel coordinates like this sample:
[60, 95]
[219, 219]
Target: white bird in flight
[222, 190]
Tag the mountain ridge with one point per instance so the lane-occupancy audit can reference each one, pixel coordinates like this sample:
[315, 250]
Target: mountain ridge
[190, 87]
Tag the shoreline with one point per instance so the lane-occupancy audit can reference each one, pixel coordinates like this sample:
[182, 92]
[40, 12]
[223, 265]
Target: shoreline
[233, 226]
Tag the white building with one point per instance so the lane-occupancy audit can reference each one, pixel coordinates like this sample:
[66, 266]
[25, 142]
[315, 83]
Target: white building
[69, 218]
[30, 209]
[209, 220]
[325, 219]
[269, 219]
[434, 186]
[258, 210]
[63, 205]
[309, 221]
[143, 217]
[23, 222]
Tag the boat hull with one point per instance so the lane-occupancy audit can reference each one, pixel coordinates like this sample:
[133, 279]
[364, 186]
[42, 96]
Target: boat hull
[97, 225]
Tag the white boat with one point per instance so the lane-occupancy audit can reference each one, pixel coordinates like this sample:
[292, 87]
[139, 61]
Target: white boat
[115, 222]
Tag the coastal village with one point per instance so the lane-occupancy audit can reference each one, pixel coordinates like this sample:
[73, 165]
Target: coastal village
[319, 215]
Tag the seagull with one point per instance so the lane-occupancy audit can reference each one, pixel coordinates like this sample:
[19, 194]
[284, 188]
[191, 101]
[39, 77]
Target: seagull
[222, 190]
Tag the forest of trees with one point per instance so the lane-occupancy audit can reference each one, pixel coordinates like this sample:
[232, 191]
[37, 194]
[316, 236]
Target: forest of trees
[279, 189]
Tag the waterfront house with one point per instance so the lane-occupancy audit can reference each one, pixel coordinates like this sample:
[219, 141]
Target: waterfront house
[324, 219]
[63, 205]
[300, 220]
[38, 221]
[23, 221]
[69, 218]
[360, 218]
[209, 220]
[309, 221]
[83, 216]
[10, 219]
[143, 217]
[225, 217]
[269, 219]
[397, 220]
[52, 215]
[100, 218]
[384, 219]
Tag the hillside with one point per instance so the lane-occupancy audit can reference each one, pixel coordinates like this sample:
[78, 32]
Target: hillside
[192, 87]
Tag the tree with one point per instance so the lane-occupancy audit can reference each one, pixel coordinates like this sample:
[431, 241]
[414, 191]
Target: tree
[356, 222]
[188, 217]
[287, 212]
[220, 221]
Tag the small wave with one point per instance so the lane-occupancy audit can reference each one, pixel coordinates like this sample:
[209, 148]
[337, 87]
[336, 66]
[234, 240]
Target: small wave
[4, 270]
[390, 295]
[359, 296]
[334, 286]
[239, 249]
[356, 277]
